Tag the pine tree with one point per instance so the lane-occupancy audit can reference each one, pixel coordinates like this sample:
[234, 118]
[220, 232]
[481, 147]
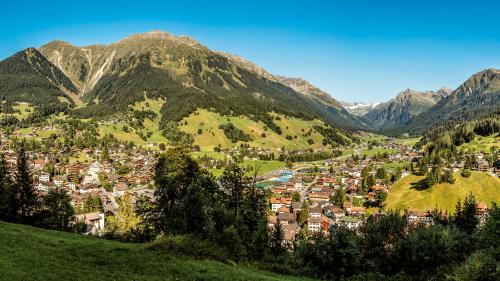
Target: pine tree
[7, 200]
[27, 200]
[278, 239]
[57, 209]
[465, 217]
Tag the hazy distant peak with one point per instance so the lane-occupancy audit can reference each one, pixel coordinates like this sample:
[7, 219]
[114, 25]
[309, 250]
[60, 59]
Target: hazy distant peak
[161, 35]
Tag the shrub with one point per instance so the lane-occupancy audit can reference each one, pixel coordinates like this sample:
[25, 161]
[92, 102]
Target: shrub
[188, 245]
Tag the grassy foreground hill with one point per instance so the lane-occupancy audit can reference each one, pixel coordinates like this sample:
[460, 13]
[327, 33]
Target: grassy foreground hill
[406, 194]
[28, 253]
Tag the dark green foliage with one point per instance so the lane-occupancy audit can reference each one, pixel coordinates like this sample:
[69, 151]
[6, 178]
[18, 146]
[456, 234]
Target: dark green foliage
[234, 134]
[380, 235]
[488, 235]
[24, 190]
[191, 246]
[57, 211]
[339, 248]
[476, 98]
[92, 203]
[29, 77]
[425, 250]
[176, 136]
[465, 215]
[277, 240]
[466, 173]
[189, 201]
[333, 136]
[480, 266]
[8, 203]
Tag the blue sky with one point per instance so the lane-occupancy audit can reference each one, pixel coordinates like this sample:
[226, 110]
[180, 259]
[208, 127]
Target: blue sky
[354, 50]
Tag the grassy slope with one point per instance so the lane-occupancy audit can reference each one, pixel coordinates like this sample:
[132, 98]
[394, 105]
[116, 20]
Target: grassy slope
[212, 136]
[403, 193]
[481, 143]
[24, 108]
[28, 253]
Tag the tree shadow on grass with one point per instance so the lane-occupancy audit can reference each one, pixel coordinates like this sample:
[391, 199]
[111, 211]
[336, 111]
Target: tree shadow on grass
[419, 185]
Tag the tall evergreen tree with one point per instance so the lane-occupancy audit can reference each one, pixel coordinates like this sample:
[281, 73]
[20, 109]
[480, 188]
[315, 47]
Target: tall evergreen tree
[7, 200]
[57, 209]
[278, 239]
[465, 217]
[25, 194]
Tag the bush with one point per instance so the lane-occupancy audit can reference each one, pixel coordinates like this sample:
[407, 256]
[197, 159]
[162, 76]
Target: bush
[466, 173]
[188, 245]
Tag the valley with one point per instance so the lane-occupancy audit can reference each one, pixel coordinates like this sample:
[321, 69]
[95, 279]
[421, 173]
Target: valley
[160, 142]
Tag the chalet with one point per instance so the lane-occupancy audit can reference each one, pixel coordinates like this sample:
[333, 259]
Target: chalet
[357, 211]
[93, 221]
[350, 222]
[483, 166]
[39, 164]
[44, 178]
[286, 218]
[58, 181]
[319, 196]
[88, 188]
[315, 212]
[120, 188]
[481, 209]
[277, 203]
[95, 168]
[314, 224]
[284, 210]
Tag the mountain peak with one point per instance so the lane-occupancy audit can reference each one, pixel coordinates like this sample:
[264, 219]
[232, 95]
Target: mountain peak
[162, 35]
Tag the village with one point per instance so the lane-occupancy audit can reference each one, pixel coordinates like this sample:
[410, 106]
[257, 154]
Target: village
[105, 175]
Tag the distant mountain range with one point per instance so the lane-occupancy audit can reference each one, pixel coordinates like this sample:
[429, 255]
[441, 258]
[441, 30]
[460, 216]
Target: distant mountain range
[359, 108]
[99, 80]
[406, 105]
[477, 97]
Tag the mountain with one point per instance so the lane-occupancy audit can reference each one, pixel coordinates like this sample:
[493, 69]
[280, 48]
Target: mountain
[322, 99]
[28, 76]
[358, 108]
[406, 105]
[477, 97]
[190, 76]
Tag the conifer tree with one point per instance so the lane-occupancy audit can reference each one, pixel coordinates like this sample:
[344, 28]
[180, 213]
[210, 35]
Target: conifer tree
[25, 194]
[7, 201]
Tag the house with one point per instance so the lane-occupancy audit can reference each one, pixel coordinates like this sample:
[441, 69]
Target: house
[314, 224]
[412, 216]
[277, 203]
[93, 221]
[350, 222]
[120, 188]
[286, 218]
[481, 209]
[39, 164]
[335, 212]
[58, 181]
[95, 168]
[483, 166]
[357, 211]
[315, 212]
[44, 178]
[319, 196]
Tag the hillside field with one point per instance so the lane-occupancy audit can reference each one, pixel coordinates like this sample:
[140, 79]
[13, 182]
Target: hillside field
[405, 194]
[28, 253]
